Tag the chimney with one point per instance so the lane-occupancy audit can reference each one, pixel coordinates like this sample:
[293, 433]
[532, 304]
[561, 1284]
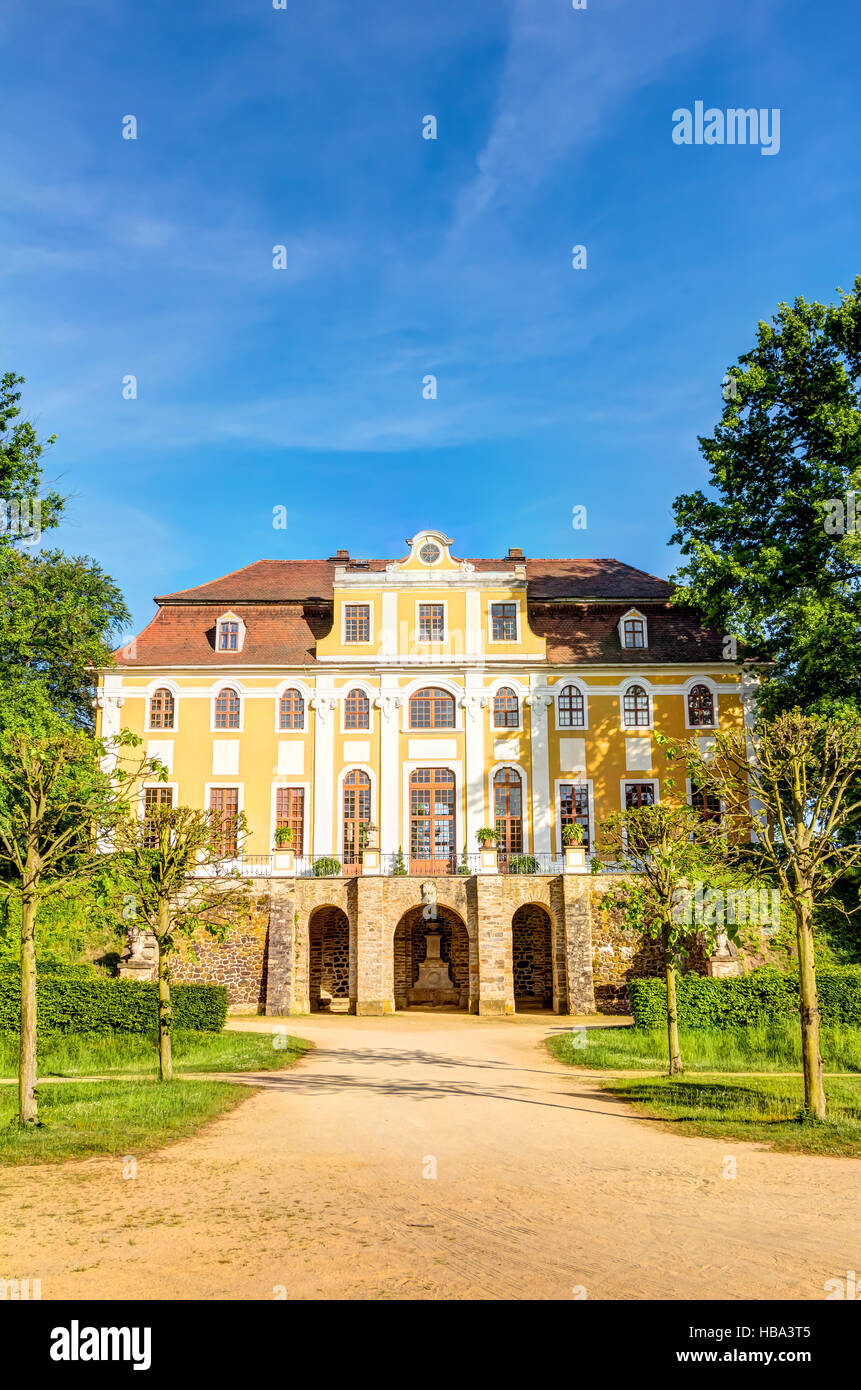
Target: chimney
[341, 557]
[515, 552]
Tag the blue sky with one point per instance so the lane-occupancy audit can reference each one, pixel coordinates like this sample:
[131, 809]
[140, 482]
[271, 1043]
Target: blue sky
[302, 387]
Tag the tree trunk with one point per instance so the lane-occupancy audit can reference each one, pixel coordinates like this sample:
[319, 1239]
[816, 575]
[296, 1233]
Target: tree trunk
[814, 1090]
[165, 1012]
[676, 1065]
[27, 1109]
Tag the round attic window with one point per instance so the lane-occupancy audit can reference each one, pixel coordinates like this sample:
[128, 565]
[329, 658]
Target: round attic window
[429, 553]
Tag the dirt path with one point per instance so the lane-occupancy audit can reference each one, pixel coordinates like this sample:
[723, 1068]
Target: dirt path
[318, 1185]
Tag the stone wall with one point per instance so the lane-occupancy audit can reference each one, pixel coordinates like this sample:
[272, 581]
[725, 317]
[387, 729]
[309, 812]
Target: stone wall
[239, 963]
[336, 943]
[620, 955]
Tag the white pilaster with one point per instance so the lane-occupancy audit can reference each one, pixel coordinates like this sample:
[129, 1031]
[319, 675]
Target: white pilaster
[539, 702]
[474, 703]
[324, 705]
[389, 702]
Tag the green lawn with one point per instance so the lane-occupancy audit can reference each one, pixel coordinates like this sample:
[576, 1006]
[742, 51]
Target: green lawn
[765, 1109]
[774, 1048]
[83, 1118]
[94, 1054]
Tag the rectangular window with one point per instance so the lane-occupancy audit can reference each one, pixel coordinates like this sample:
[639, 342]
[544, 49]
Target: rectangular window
[574, 808]
[431, 622]
[639, 794]
[290, 810]
[228, 639]
[357, 622]
[503, 620]
[154, 799]
[224, 805]
[635, 633]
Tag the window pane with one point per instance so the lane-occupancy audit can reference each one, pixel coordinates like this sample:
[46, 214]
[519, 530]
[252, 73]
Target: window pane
[503, 617]
[357, 622]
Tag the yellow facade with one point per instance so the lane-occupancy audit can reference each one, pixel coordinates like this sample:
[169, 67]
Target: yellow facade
[426, 623]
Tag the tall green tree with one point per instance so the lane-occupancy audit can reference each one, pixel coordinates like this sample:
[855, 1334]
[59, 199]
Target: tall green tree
[176, 863]
[60, 616]
[62, 793]
[765, 560]
[791, 802]
[21, 465]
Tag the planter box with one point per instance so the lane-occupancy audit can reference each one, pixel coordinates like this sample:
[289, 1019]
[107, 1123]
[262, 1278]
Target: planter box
[488, 860]
[575, 859]
[284, 861]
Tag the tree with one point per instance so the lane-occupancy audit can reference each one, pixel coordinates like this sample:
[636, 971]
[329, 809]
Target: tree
[176, 863]
[798, 795]
[59, 618]
[62, 792]
[766, 560]
[664, 848]
[21, 469]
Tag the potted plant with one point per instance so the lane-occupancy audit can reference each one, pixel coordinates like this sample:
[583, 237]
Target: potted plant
[463, 867]
[487, 856]
[285, 860]
[399, 868]
[572, 842]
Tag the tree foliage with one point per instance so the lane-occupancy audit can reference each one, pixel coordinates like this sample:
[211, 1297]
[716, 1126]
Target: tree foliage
[760, 563]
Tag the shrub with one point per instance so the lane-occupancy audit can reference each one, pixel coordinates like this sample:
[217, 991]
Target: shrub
[77, 999]
[523, 864]
[764, 996]
[326, 868]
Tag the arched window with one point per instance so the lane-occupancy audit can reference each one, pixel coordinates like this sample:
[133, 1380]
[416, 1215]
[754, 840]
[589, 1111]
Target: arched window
[635, 706]
[357, 814]
[506, 708]
[357, 710]
[701, 707]
[291, 710]
[431, 708]
[161, 709]
[432, 824]
[227, 709]
[508, 811]
[572, 708]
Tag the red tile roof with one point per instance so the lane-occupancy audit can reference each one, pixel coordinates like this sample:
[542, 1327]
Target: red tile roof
[287, 606]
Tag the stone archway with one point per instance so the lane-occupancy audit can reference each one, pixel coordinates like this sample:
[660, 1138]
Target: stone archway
[532, 956]
[419, 983]
[329, 947]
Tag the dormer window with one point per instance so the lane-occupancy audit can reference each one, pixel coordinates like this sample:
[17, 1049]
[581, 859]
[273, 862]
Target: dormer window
[230, 630]
[633, 631]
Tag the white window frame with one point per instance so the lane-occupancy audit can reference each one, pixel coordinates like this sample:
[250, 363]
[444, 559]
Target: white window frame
[524, 791]
[688, 687]
[633, 613]
[556, 691]
[640, 782]
[418, 640]
[502, 641]
[148, 786]
[357, 603]
[292, 684]
[339, 810]
[650, 696]
[241, 692]
[558, 784]
[504, 684]
[432, 680]
[449, 765]
[297, 785]
[148, 694]
[241, 630]
[341, 697]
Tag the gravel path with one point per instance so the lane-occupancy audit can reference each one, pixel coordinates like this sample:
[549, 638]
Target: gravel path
[321, 1185]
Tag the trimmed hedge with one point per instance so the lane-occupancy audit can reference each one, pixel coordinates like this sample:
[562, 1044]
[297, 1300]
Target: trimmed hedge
[764, 996]
[78, 1000]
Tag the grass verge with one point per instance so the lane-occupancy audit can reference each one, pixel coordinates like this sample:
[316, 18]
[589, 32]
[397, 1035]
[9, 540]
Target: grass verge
[760, 1049]
[96, 1054]
[764, 1109]
[111, 1117]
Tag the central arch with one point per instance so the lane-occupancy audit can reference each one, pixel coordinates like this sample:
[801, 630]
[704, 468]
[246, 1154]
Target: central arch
[411, 953]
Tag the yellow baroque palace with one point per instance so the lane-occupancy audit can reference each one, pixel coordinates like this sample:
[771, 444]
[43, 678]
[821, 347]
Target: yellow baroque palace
[406, 704]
